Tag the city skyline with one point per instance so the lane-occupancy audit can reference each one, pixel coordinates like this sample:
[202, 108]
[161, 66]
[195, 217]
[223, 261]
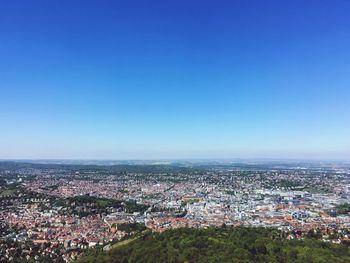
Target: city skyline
[174, 80]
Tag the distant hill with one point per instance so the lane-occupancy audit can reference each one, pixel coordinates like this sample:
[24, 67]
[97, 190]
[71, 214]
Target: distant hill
[118, 168]
[221, 245]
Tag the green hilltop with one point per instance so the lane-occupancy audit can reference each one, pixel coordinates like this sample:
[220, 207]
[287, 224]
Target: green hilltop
[220, 245]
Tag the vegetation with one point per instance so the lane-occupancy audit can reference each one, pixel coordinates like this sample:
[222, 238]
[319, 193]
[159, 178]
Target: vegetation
[131, 227]
[286, 183]
[343, 209]
[222, 245]
[132, 206]
[85, 205]
[96, 201]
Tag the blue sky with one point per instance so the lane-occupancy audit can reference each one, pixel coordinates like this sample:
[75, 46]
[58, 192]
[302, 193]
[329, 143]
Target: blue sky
[175, 79]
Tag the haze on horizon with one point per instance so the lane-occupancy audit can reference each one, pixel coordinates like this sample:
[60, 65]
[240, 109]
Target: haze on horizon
[174, 79]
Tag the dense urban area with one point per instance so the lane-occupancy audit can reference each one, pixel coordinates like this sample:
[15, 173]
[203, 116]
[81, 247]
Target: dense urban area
[68, 212]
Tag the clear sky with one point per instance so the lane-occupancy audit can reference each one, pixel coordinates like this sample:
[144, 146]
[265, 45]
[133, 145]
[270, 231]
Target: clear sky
[174, 79]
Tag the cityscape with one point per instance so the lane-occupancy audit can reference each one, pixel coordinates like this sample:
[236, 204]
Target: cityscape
[57, 212]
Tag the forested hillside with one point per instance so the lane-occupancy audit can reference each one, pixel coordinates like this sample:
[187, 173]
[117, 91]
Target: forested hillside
[221, 245]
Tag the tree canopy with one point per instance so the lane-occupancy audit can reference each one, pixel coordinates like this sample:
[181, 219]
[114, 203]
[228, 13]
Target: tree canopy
[222, 245]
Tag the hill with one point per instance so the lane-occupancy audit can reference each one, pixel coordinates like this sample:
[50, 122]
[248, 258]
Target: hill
[221, 245]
